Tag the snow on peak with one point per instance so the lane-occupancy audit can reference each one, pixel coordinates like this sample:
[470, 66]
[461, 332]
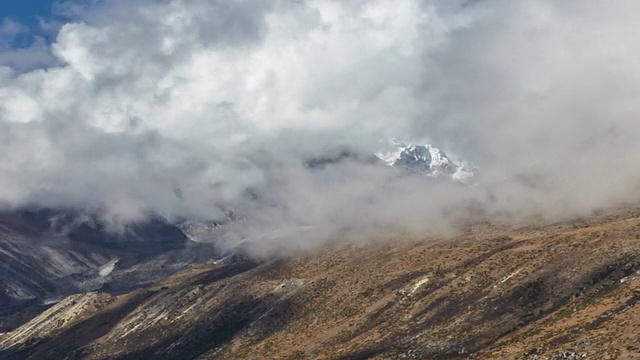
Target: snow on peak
[424, 159]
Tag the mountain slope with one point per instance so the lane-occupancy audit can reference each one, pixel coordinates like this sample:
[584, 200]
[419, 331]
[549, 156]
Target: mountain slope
[41, 265]
[564, 290]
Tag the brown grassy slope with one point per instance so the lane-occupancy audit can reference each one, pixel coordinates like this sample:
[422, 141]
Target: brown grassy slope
[569, 289]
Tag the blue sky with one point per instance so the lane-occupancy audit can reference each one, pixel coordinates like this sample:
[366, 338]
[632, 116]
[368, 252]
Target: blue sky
[39, 18]
[26, 11]
[27, 29]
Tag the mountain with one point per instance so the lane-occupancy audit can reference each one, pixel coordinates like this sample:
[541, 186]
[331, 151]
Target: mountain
[47, 255]
[424, 160]
[567, 290]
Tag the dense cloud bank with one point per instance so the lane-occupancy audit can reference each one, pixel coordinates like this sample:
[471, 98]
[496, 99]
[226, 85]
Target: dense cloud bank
[209, 109]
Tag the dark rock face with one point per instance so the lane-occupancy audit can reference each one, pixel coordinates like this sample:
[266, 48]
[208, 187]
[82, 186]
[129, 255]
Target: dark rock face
[339, 157]
[133, 238]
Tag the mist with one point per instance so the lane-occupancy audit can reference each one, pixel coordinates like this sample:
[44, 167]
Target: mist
[194, 109]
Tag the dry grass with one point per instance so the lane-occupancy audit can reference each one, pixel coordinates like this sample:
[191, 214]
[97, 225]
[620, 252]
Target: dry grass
[534, 292]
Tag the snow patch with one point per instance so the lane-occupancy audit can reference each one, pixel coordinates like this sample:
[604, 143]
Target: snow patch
[506, 278]
[415, 287]
[107, 268]
[51, 301]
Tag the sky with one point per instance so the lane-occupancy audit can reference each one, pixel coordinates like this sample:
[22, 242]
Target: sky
[199, 109]
[29, 27]
[26, 29]
[27, 11]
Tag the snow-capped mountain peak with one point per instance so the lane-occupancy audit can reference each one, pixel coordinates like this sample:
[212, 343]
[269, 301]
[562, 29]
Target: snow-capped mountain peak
[425, 159]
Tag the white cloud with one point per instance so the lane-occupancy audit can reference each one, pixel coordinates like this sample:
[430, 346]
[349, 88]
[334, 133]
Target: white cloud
[188, 107]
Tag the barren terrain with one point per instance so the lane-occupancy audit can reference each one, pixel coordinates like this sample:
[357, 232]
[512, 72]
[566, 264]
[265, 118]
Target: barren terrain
[567, 290]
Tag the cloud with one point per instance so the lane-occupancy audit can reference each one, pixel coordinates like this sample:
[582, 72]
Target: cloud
[20, 51]
[545, 93]
[195, 109]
